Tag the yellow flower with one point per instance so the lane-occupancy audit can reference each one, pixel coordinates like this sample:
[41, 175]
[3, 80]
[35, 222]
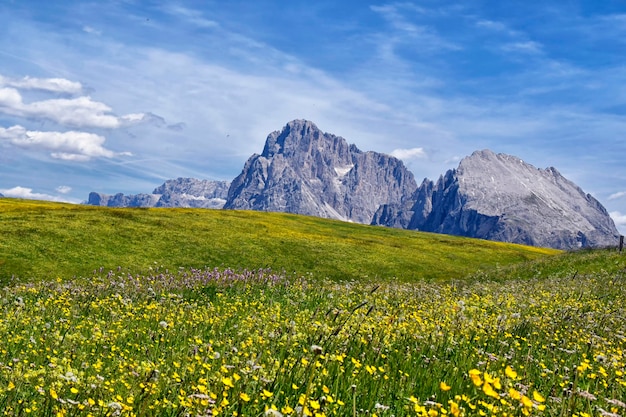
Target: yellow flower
[228, 382]
[475, 376]
[444, 387]
[488, 389]
[11, 386]
[526, 402]
[510, 372]
[515, 394]
[266, 394]
[454, 409]
[54, 394]
[538, 397]
[245, 397]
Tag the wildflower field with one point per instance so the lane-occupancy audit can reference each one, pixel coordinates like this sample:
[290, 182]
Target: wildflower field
[210, 342]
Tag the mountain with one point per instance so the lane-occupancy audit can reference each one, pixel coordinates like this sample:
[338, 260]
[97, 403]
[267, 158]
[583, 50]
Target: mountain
[181, 192]
[500, 197]
[306, 171]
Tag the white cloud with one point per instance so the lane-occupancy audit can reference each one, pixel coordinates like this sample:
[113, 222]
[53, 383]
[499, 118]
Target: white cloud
[63, 189]
[27, 193]
[527, 47]
[617, 195]
[407, 154]
[191, 16]
[76, 112]
[54, 85]
[92, 31]
[620, 220]
[69, 146]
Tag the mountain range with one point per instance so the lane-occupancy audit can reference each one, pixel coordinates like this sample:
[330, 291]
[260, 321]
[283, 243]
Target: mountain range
[181, 192]
[306, 171]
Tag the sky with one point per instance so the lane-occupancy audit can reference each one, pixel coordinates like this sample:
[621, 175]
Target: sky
[122, 95]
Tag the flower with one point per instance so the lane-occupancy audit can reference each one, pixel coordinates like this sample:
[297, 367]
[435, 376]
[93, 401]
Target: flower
[538, 397]
[444, 387]
[228, 382]
[488, 389]
[510, 372]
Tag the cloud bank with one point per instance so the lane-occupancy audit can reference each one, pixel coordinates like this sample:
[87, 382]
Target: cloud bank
[27, 193]
[68, 146]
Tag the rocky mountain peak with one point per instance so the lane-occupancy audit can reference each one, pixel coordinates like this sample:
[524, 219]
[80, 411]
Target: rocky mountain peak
[500, 197]
[304, 170]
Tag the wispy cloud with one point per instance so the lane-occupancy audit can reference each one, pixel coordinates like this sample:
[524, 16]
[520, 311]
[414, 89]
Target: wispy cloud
[408, 154]
[63, 189]
[92, 31]
[527, 47]
[54, 85]
[405, 30]
[188, 15]
[617, 195]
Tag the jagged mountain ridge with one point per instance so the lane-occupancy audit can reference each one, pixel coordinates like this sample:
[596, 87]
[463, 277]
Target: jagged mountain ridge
[306, 171]
[500, 197]
[181, 192]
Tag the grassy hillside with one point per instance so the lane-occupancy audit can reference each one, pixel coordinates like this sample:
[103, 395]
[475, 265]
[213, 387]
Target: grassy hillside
[43, 240]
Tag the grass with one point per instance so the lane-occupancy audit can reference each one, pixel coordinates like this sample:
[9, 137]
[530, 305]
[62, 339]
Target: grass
[43, 240]
[210, 342]
[511, 331]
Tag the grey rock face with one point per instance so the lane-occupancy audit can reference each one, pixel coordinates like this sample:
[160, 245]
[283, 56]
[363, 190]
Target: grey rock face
[121, 200]
[181, 192]
[306, 171]
[500, 197]
[190, 192]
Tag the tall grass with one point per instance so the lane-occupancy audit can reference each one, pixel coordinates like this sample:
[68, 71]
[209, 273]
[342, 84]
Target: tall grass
[217, 342]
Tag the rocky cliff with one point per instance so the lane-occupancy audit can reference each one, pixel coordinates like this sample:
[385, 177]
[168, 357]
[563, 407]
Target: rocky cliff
[181, 192]
[500, 197]
[306, 171]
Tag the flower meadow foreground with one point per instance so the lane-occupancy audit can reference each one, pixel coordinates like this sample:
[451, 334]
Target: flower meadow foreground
[254, 343]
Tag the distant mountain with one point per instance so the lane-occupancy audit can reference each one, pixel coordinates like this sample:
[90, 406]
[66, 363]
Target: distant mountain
[181, 192]
[306, 171]
[500, 197]
[489, 196]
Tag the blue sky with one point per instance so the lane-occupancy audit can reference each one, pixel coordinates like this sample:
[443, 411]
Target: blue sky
[119, 96]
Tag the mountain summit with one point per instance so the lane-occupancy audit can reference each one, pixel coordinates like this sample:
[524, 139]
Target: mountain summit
[306, 171]
[500, 197]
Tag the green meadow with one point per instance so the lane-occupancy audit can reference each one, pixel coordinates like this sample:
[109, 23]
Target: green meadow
[41, 240]
[163, 312]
